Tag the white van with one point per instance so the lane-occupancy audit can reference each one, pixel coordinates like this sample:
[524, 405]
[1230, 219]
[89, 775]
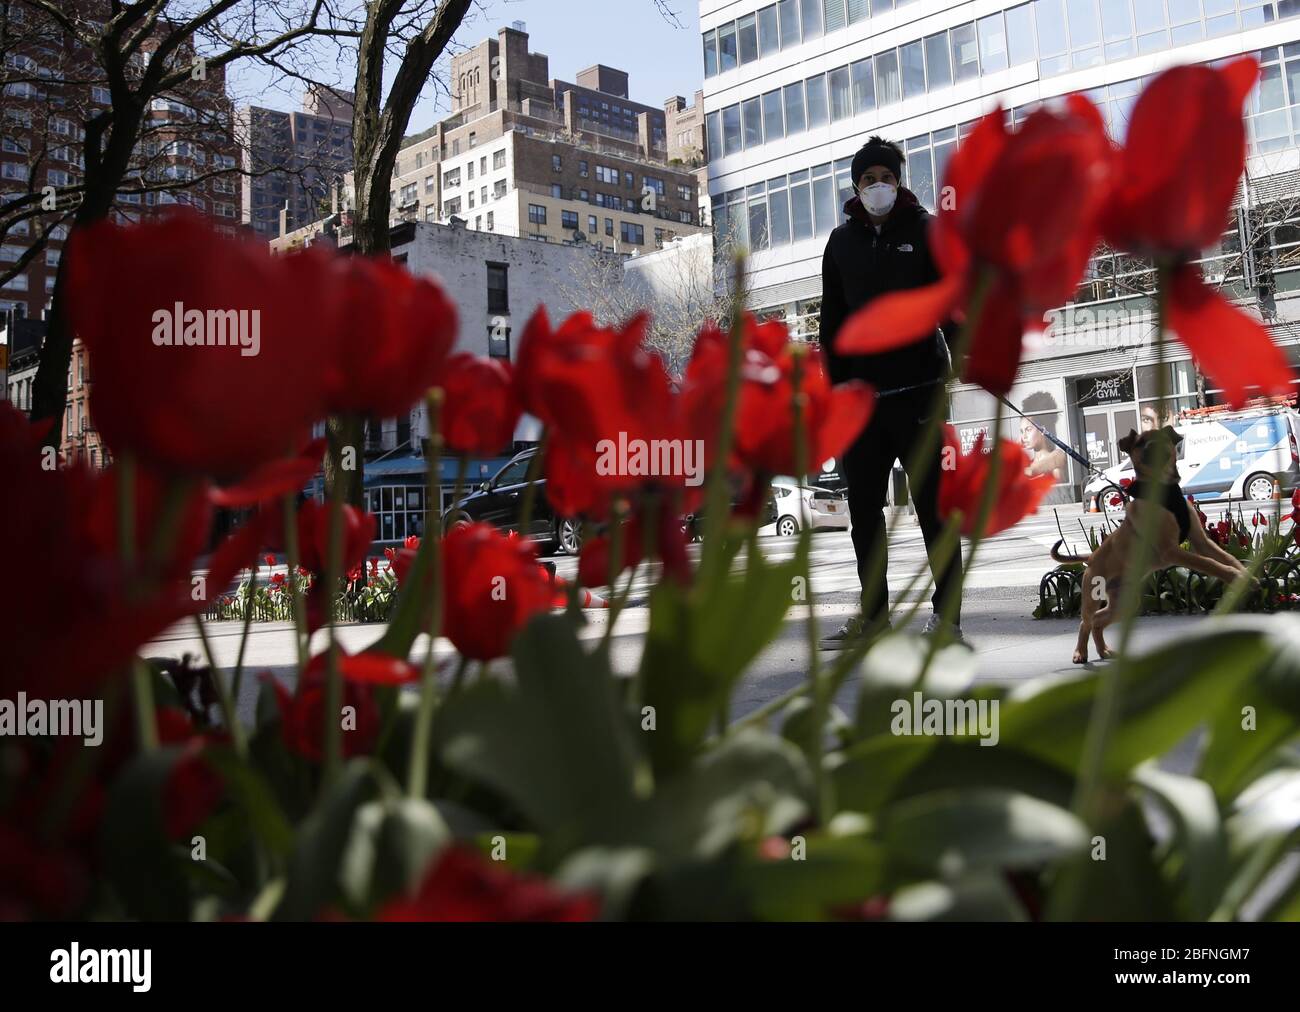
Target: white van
[1224, 455]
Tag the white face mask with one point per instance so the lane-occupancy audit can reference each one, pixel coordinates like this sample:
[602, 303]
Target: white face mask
[878, 198]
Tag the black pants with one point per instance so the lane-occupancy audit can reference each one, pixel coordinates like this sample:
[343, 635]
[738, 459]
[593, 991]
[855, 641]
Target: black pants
[897, 426]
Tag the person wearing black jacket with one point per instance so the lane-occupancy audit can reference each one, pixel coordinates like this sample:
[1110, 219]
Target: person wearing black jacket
[884, 247]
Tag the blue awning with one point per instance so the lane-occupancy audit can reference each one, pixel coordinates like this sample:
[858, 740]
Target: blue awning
[412, 470]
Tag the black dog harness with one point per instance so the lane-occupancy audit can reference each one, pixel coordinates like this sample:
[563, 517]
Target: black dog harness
[1173, 500]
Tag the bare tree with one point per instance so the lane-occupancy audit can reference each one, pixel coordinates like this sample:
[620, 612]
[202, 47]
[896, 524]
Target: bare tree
[683, 286]
[138, 53]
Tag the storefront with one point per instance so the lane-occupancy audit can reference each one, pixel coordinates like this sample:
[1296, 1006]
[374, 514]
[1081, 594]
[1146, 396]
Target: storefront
[396, 490]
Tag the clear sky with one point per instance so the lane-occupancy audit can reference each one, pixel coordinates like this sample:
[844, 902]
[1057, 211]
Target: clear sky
[662, 58]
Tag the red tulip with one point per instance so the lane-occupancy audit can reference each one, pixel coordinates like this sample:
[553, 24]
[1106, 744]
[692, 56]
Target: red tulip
[395, 333]
[964, 478]
[191, 793]
[60, 533]
[314, 535]
[164, 388]
[1182, 158]
[764, 439]
[1007, 229]
[480, 411]
[669, 546]
[492, 585]
[302, 716]
[462, 886]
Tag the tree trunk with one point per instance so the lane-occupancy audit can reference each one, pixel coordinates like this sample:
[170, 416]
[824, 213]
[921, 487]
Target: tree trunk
[104, 174]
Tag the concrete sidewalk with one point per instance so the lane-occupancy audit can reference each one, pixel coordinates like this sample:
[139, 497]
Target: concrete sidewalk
[1009, 645]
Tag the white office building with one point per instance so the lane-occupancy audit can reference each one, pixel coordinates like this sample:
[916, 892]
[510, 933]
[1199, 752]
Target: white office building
[792, 89]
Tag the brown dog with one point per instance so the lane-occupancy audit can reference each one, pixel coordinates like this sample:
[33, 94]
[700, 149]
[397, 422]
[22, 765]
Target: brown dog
[1152, 453]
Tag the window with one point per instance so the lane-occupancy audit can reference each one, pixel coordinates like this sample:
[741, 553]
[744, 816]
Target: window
[582, 168]
[471, 199]
[14, 170]
[788, 15]
[1020, 34]
[628, 179]
[498, 287]
[536, 214]
[841, 95]
[605, 174]
[727, 47]
[778, 211]
[824, 210]
[451, 207]
[557, 191]
[634, 234]
[499, 347]
[430, 183]
[710, 53]
[491, 220]
[812, 18]
[731, 130]
[772, 126]
[769, 38]
[938, 69]
[653, 183]
[752, 114]
[469, 171]
[557, 163]
[747, 39]
[593, 225]
[482, 195]
[818, 115]
[685, 217]
[834, 15]
[864, 90]
[569, 220]
[757, 216]
[993, 43]
[482, 166]
[1053, 46]
[794, 112]
[609, 226]
[965, 53]
[499, 189]
[499, 159]
[889, 87]
[857, 11]
[451, 178]
[913, 65]
[801, 217]
[408, 195]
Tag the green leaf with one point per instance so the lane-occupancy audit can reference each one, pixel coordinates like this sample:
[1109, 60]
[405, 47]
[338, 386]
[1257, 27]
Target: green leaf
[699, 643]
[556, 744]
[832, 872]
[952, 831]
[250, 791]
[389, 849]
[981, 896]
[750, 786]
[1237, 751]
[1264, 823]
[1198, 860]
[1119, 878]
[313, 881]
[147, 872]
[1163, 696]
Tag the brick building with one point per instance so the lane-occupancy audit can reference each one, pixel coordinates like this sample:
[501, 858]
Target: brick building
[292, 159]
[523, 154]
[53, 85]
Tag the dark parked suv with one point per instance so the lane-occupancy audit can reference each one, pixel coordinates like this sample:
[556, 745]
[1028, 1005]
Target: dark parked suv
[499, 501]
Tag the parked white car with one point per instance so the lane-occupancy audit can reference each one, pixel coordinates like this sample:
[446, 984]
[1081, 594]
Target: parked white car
[799, 506]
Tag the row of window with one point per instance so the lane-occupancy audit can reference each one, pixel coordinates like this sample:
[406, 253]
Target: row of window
[630, 232]
[1071, 34]
[808, 203]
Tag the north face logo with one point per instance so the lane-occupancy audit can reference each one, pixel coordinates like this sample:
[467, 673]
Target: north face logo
[905, 248]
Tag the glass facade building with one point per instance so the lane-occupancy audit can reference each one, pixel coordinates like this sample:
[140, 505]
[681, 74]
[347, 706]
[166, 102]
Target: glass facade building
[793, 88]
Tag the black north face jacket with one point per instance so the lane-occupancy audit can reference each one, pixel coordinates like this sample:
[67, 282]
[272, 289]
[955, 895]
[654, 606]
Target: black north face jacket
[859, 265]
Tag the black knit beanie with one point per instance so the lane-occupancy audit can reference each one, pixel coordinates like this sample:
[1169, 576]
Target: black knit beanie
[877, 152]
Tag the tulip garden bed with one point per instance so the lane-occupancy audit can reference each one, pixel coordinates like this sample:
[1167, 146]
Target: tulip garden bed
[1258, 544]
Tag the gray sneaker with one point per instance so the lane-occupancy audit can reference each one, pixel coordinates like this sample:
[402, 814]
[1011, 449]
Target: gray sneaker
[847, 635]
[949, 631]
